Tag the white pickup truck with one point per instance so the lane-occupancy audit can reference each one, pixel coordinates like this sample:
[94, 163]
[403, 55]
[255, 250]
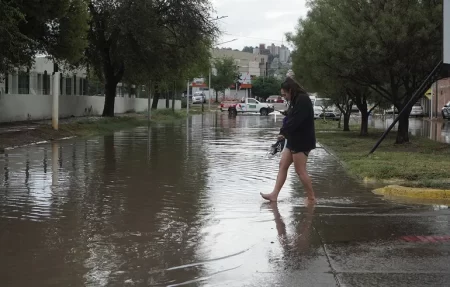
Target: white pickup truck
[250, 105]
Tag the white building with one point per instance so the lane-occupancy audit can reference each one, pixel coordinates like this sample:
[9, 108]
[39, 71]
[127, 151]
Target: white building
[285, 54]
[27, 95]
[252, 63]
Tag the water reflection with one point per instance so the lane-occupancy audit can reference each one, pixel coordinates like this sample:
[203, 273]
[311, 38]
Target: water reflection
[171, 204]
[434, 130]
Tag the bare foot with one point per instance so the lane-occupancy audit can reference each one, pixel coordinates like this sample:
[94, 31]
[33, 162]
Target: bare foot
[310, 201]
[269, 196]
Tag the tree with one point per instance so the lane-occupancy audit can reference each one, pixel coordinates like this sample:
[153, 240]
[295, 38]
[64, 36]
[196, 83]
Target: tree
[136, 39]
[226, 74]
[57, 28]
[248, 49]
[265, 87]
[387, 46]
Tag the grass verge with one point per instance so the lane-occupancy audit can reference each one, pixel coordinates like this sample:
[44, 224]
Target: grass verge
[27, 133]
[421, 163]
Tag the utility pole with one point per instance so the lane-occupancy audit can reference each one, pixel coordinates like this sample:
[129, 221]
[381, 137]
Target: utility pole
[187, 98]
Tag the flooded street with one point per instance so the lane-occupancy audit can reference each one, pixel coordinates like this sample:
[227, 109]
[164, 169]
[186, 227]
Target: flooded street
[178, 205]
[422, 127]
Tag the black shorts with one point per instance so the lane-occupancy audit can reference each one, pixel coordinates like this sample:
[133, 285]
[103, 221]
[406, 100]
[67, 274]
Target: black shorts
[294, 151]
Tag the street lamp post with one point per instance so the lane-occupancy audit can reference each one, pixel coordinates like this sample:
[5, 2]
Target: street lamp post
[209, 88]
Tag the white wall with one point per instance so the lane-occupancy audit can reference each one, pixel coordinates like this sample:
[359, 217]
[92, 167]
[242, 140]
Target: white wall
[38, 107]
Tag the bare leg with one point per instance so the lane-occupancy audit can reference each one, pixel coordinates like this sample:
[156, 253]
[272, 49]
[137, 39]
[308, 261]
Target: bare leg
[300, 160]
[285, 162]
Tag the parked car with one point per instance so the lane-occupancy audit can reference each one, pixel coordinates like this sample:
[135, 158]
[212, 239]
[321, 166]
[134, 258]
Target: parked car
[331, 111]
[198, 98]
[446, 111]
[417, 110]
[275, 99]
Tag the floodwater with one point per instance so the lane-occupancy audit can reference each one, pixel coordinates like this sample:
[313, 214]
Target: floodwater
[178, 205]
[423, 127]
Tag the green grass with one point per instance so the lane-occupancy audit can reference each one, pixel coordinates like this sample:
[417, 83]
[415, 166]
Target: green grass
[420, 163]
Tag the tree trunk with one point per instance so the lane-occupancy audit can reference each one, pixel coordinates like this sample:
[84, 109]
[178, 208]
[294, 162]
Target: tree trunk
[155, 100]
[347, 121]
[364, 131]
[217, 96]
[110, 98]
[167, 101]
[403, 129]
[113, 75]
[173, 100]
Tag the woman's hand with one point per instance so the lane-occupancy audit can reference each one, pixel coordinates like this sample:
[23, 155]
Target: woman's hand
[281, 137]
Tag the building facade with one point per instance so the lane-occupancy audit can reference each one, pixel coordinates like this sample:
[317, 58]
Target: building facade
[251, 63]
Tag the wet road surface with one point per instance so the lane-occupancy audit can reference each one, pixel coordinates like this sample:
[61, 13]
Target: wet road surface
[423, 127]
[179, 205]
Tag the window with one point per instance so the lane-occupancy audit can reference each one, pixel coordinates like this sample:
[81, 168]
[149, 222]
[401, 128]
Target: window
[75, 90]
[45, 83]
[6, 83]
[85, 86]
[252, 101]
[68, 86]
[24, 83]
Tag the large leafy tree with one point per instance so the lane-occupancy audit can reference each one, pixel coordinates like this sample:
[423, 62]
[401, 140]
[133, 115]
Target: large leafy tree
[387, 46]
[140, 39]
[248, 49]
[226, 74]
[57, 28]
[265, 87]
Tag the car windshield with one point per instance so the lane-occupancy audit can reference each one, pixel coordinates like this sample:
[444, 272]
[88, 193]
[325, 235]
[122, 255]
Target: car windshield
[322, 102]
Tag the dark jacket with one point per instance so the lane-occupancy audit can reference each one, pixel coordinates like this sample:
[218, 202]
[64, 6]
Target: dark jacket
[299, 128]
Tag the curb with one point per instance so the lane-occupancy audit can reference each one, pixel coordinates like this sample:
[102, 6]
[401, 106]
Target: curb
[423, 193]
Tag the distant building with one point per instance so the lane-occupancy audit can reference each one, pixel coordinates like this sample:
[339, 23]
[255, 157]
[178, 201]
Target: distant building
[254, 64]
[285, 54]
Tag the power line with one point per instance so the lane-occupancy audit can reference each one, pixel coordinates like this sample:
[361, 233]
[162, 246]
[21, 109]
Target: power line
[239, 36]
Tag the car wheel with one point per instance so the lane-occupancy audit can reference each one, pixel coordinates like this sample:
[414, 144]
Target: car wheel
[264, 112]
[232, 112]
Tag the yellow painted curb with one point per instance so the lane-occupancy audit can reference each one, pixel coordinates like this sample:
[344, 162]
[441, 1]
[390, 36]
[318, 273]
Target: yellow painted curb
[425, 193]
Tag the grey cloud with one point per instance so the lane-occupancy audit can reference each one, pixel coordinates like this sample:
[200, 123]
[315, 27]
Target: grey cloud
[258, 21]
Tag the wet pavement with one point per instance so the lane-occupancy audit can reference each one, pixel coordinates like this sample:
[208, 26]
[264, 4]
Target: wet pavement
[178, 205]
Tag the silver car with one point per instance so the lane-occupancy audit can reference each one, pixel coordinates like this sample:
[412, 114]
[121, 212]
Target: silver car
[198, 98]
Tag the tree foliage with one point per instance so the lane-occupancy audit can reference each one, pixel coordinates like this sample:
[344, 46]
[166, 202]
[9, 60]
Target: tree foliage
[226, 74]
[147, 40]
[57, 28]
[248, 49]
[370, 47]
[265, 87]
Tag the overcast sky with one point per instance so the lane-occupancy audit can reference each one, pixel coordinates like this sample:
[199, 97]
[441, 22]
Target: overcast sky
[257, 21]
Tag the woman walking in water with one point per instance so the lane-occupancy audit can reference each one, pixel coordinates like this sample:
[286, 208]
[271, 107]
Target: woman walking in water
[301, 139]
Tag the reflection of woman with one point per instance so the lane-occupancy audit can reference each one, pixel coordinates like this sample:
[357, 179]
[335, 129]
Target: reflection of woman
[300, 242]
[300, 134]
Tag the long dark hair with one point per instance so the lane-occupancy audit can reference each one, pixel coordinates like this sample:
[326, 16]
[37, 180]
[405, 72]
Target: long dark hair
[294, 89]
